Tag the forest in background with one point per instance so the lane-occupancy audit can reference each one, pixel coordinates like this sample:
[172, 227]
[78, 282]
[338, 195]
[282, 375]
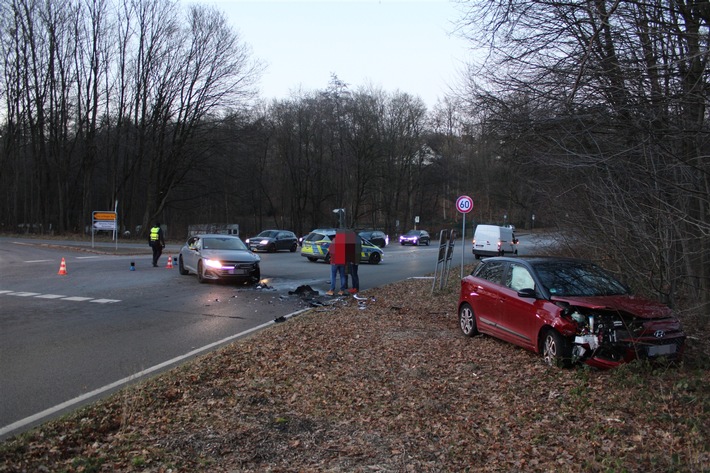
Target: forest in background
[589, 115]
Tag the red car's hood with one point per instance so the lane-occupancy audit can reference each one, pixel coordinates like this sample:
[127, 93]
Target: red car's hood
[636, 305]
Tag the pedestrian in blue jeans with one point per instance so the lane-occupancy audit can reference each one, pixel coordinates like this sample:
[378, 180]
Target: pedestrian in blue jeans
[336, 250]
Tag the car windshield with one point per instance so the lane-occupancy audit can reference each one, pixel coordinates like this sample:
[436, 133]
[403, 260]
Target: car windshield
[223, 244]
[566, 279]
[267, 234]
[412, 233]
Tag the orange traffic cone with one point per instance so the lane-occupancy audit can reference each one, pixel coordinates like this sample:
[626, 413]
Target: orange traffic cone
[170, 262]
[62, 268]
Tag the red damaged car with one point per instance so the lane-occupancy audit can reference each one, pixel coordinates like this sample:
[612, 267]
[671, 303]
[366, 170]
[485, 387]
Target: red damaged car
[568, 310]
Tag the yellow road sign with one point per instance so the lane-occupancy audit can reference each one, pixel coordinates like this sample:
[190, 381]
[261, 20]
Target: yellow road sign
[104, 215]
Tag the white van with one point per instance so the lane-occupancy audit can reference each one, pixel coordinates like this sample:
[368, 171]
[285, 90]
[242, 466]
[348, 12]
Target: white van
[492, 240]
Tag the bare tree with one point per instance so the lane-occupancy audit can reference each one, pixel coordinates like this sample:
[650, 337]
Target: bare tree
[614, 96]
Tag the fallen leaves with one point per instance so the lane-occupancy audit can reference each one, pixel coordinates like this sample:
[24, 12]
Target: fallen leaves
[381, 385]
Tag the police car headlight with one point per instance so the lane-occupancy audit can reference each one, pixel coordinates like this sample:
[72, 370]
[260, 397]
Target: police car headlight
[213, 263]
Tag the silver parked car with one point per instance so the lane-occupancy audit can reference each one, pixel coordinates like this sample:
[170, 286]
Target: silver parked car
[219, 257]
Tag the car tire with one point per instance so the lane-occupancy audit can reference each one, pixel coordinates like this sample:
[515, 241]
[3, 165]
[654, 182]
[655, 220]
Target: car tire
[293, 248]
[272, 248]
[556, 349]
[181, 267]
[200, 277]
[312, 259]
[427, 243]
[256, 277]
[375, 258]
[327, 258]
[467, 320]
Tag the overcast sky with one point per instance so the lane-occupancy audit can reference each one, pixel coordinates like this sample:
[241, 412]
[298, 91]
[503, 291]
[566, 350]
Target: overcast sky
[396, 45]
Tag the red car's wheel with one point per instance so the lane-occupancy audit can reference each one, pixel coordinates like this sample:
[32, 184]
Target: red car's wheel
[556, 349]
[467, 320]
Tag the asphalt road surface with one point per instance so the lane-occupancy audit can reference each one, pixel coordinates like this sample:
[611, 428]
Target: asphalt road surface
[67, 340]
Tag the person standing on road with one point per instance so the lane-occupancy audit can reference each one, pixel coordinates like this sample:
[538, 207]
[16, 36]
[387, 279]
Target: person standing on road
[156, 242]
[354, 250]
[336, 250]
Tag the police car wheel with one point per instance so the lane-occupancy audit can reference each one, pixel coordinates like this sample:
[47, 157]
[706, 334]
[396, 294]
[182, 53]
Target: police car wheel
[375, 258]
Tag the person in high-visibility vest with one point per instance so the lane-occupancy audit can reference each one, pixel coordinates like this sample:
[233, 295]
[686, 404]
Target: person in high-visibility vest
[156, 242]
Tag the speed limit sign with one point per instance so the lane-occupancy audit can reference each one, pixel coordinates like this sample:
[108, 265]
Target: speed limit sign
[464, 204]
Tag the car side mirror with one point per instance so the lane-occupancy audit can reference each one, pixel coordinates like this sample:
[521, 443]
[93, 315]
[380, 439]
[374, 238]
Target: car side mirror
[528, 293]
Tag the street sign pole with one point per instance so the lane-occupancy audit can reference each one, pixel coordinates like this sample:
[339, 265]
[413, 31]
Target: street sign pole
[464, 204]
[463, 242]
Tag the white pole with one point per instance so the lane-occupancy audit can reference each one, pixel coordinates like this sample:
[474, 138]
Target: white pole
[463, 242]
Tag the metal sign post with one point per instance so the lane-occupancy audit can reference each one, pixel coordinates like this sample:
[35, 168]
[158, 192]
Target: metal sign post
[104, 220]
[464, 204]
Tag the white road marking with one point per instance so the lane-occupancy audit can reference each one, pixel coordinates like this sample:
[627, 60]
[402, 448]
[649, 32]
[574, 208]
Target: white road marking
[58, 296]
[87, 257]
[59, 407]
[39, 261]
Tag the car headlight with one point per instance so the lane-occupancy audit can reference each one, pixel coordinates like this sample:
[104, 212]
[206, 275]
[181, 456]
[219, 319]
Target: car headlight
[264, 242]
[213, 263]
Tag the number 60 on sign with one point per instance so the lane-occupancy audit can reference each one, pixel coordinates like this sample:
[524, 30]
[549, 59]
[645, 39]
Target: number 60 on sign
[464, 204]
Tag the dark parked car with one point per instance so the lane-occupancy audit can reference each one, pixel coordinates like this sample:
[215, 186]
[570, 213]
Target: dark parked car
[219, 257]
[377, 237]
[415, 237]
[273, 240]
[568, 310]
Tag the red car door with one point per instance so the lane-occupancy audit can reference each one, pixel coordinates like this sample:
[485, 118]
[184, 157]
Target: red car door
[485, 296]
[519, 321]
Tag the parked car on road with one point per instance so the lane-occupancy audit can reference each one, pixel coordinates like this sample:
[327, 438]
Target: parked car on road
[377, 237]
[315, 247]
[567, 310]
[415, 237]
[273, 240]
[219, 257]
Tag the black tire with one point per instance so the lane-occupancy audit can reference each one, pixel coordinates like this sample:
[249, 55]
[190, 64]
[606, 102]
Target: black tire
[293, 248]
[375, 258]
[477, 256]
[327, 258]
[556, 349]
[200, 277]
[272, 248]
[467, 320]
[181, 267]
[312, 259]
[427, 243]
[256, 277]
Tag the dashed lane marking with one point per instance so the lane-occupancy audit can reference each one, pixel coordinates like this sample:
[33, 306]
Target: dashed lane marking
[58, 297]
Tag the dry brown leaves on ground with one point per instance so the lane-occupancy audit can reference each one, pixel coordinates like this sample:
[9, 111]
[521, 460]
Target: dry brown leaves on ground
[389, 385]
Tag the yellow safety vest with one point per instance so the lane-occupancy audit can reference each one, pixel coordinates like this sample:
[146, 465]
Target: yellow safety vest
[154, 233]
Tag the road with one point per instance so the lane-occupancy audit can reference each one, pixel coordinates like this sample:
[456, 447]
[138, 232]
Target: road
[67, 340]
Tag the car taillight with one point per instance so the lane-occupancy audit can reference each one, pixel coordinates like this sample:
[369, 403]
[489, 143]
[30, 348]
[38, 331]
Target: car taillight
[499, 244]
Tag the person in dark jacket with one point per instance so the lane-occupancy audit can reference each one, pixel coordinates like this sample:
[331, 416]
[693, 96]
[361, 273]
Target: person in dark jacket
[156, 242]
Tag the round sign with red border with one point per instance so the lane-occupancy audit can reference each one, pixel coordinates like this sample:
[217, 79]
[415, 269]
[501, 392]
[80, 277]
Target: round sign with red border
[464, 204]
